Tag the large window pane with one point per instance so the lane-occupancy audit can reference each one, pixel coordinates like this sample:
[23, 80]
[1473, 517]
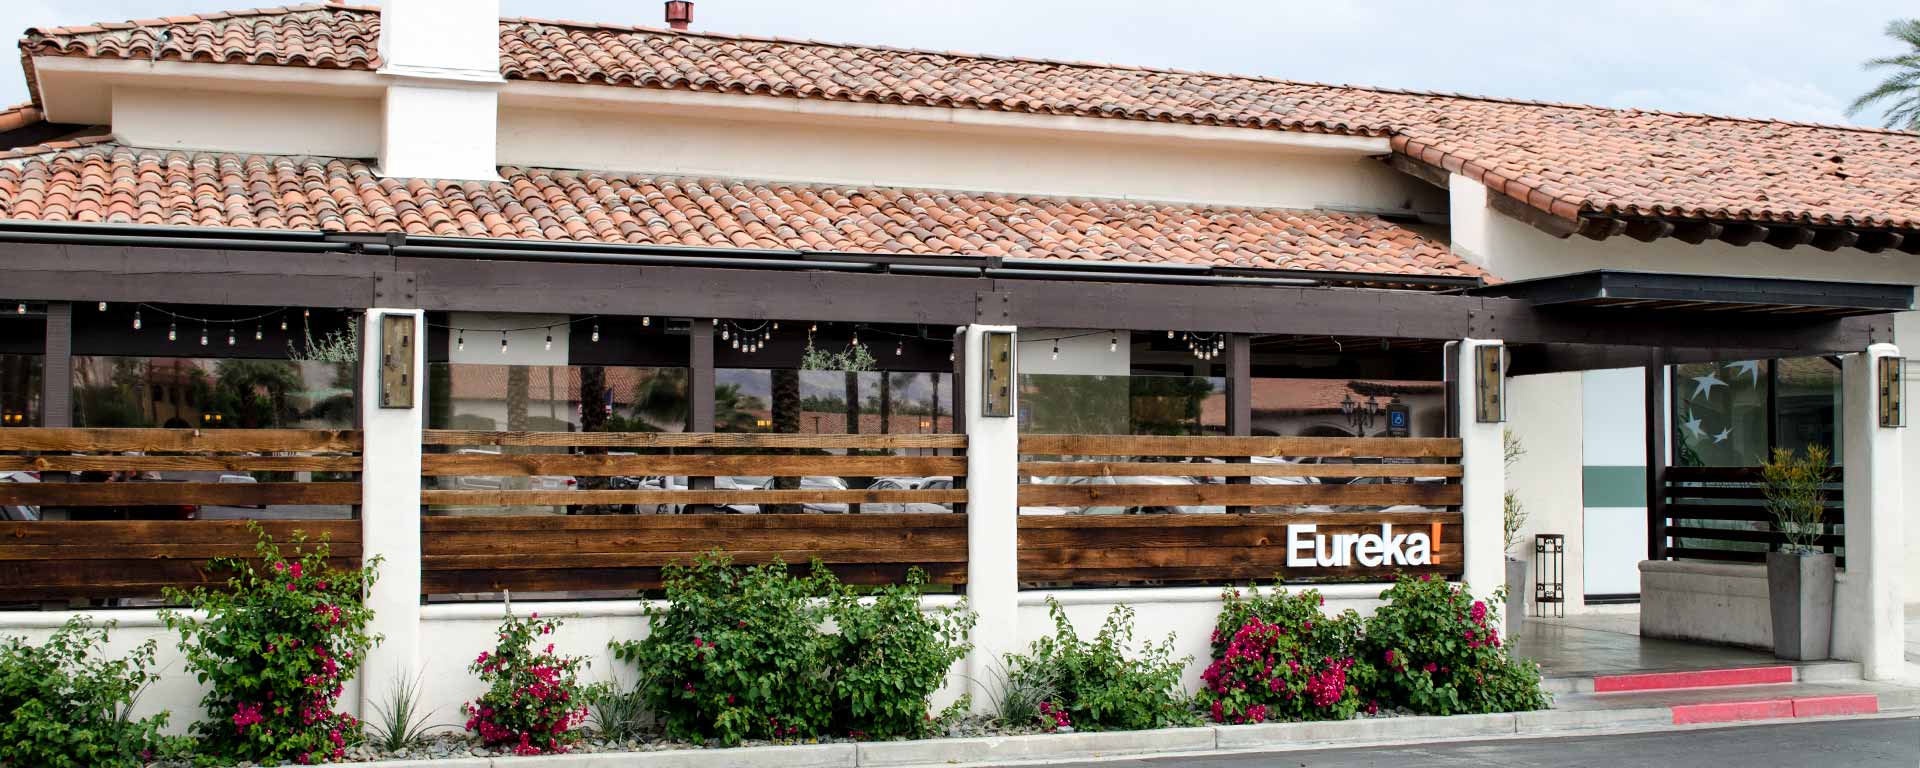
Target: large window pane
[20, 390]
[1807, 404]
[1346, 407]
[1720, 414]
[212, 393]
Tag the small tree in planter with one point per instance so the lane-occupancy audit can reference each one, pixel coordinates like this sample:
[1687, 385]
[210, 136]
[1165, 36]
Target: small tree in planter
[1799, 576]
[1513, 518]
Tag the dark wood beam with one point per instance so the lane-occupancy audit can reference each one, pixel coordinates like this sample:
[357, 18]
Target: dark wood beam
[1419, 170]
[1656, 432]
[1649, 230]
[1834, 239]
[1790, 236]
[1877, 240]
[1600, 227]
[1741, 233]
[1909, 243]
[1239, 384]
[1695, 232]
[56, 373]
[1538, 219]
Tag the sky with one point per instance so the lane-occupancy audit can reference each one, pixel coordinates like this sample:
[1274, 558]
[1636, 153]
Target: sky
[1756, 58]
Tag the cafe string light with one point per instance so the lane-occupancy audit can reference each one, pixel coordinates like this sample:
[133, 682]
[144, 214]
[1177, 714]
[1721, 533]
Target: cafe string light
[229, 325]
[744, 337]
[459, 333]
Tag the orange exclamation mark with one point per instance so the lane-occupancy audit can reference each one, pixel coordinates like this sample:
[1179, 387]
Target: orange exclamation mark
[1436, 543]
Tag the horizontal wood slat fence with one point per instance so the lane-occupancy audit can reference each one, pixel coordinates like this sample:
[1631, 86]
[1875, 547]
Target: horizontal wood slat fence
[1077, 492]
[1719, 513]
[60, 560]
[550, 553]
[619, 538]
[136, 473]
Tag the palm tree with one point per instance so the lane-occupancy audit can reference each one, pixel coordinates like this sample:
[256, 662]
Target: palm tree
[1903, 86]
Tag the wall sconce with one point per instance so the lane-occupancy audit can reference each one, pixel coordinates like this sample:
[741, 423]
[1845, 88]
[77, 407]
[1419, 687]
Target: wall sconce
[1490, 384]
[998, 375]
[1892, 375]
[396, 360]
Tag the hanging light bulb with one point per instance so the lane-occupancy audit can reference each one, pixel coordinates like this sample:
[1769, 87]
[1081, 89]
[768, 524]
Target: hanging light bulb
[776, 325]
[203, 335]
[723, 334]
[811, 327]
[596, 332]
[1169, 334]
[645, 321]
[229, 336]
[103, 306]
[1056, 349]
[461, 344]
[172, 332]
[1113, 344]
[257, 335]
[549, 339]
[21, 309]
[736, 343]
[503, 342]
[136, 319]
[899, 347]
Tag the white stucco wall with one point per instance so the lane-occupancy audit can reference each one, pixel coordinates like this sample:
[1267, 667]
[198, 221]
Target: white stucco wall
[168, 118]
[1544, 413]
[880, 153]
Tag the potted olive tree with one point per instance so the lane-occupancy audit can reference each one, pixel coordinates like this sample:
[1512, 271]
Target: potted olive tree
[1799, 576]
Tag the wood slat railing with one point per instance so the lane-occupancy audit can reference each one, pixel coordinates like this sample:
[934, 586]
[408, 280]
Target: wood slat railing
[1719, 513]
[550, 553]
[1274, 474]
[66, 560]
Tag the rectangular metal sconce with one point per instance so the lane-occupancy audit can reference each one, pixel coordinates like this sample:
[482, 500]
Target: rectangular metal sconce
[1489, 384]
[1892, 379]
[396, 361]
[997, 379]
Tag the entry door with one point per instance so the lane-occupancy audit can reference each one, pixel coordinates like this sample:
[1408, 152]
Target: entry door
[1614, 482]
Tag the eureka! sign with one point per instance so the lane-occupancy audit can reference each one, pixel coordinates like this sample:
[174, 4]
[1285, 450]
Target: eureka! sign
[1309, 548]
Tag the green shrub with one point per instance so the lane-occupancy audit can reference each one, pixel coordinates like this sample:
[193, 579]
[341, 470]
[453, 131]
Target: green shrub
[1096, 684]
[619, 711]
[758, 653]
[1440, 652]
[64, 704]
[274, 648]
[888, 658]
[534, 699]
[1278, 657]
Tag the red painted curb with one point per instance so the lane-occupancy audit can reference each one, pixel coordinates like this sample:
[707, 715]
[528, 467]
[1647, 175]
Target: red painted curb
[1822, 706]
[1704, 678]
[1731, 711]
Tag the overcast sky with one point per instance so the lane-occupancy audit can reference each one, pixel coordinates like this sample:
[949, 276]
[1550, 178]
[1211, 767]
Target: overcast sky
[1771, 58]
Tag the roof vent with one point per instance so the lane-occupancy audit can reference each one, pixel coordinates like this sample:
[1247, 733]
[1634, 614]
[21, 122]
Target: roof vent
[679, 14]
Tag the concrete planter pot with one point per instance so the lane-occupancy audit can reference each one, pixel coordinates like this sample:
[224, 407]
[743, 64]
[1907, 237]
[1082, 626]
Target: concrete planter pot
[1517, 592]
[1800, 592]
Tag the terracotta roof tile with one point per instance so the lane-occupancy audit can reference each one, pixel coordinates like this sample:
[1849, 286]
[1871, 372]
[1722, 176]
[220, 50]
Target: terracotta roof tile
[1561, 158]
[94, 180]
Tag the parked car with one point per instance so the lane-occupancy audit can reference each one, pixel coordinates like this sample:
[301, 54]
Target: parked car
[1174, 480]
[907, 484]
[19, 512]
[816, 483]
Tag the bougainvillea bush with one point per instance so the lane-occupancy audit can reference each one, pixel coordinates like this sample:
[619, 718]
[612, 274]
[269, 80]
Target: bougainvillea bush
[1097, 685]
[64, 703]
[1277, 657]
[1440, 652]
[274, 647]
[534, 702]
[760, 653]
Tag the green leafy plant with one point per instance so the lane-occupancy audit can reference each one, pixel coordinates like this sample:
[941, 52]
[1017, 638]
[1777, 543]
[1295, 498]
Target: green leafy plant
[66, 703]
[398, 722]
[1440, 653]
[760, 653]
[856, 357]
[1796, 491]
[1096, 684]
[274, 648]
[1513, 516]
[1278, 657]
[1018, 699]
[1902, 85]
[534, 700]
[619, 711]
[341, 346]
[888, 657]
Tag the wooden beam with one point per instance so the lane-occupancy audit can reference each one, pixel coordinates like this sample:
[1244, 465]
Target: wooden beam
[1649, 230]
[1167, 469]
[1157, 445]
[1834, 239]
[1655, 429]
[745, 440]
[1877, 240]
[1601, 228]
[1909, 243]
[1790, 236]
[1419, 170]
[56, 373]
[1741, 233]
[1538, 219]
[1696, 232]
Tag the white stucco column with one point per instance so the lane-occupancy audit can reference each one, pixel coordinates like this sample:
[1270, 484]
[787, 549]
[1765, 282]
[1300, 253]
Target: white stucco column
[1868, 622]
[993, 455]
[1483, 479]
[441, 60]
[390, 511]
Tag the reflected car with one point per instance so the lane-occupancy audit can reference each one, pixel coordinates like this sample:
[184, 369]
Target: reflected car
[908, 507]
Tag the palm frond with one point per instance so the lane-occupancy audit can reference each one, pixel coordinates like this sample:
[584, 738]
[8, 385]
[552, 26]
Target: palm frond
[1902, 88]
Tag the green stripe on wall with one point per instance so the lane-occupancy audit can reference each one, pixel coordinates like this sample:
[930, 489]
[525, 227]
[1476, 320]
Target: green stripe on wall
[1614, 486]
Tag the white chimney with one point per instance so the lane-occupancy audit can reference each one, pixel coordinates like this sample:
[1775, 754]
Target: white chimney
[441, 60]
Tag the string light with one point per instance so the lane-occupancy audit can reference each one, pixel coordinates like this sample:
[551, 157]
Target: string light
[136, 319]
[1056, 349]
[645, 321]
[283, 325]
[229, 336]
[596, 331]
[899, 347]
[21, 309]
[549, 339]
[203, 335]
[503, 342]
[1113, 344]
[257, 335]
[462, 344]
[103, 306]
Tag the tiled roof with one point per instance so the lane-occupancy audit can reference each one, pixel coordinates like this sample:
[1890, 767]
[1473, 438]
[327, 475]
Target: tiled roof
[97, 181]
[1560, 158]
[19, 116]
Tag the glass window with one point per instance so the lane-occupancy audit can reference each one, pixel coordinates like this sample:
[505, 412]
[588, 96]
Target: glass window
[556, 398]
[1807, 404]
[1060, 404]
[20, 390]
[1720, 414]
[232, 393]
[1347, 407]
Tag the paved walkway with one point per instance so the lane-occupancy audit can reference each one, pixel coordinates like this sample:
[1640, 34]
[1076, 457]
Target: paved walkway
[1610, 643]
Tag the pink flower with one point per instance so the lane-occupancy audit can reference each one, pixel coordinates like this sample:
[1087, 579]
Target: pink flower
[1479, 612]
[1431, 667]
[296, 570]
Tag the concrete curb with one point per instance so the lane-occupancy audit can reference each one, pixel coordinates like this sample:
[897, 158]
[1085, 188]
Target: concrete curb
[990, 750]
